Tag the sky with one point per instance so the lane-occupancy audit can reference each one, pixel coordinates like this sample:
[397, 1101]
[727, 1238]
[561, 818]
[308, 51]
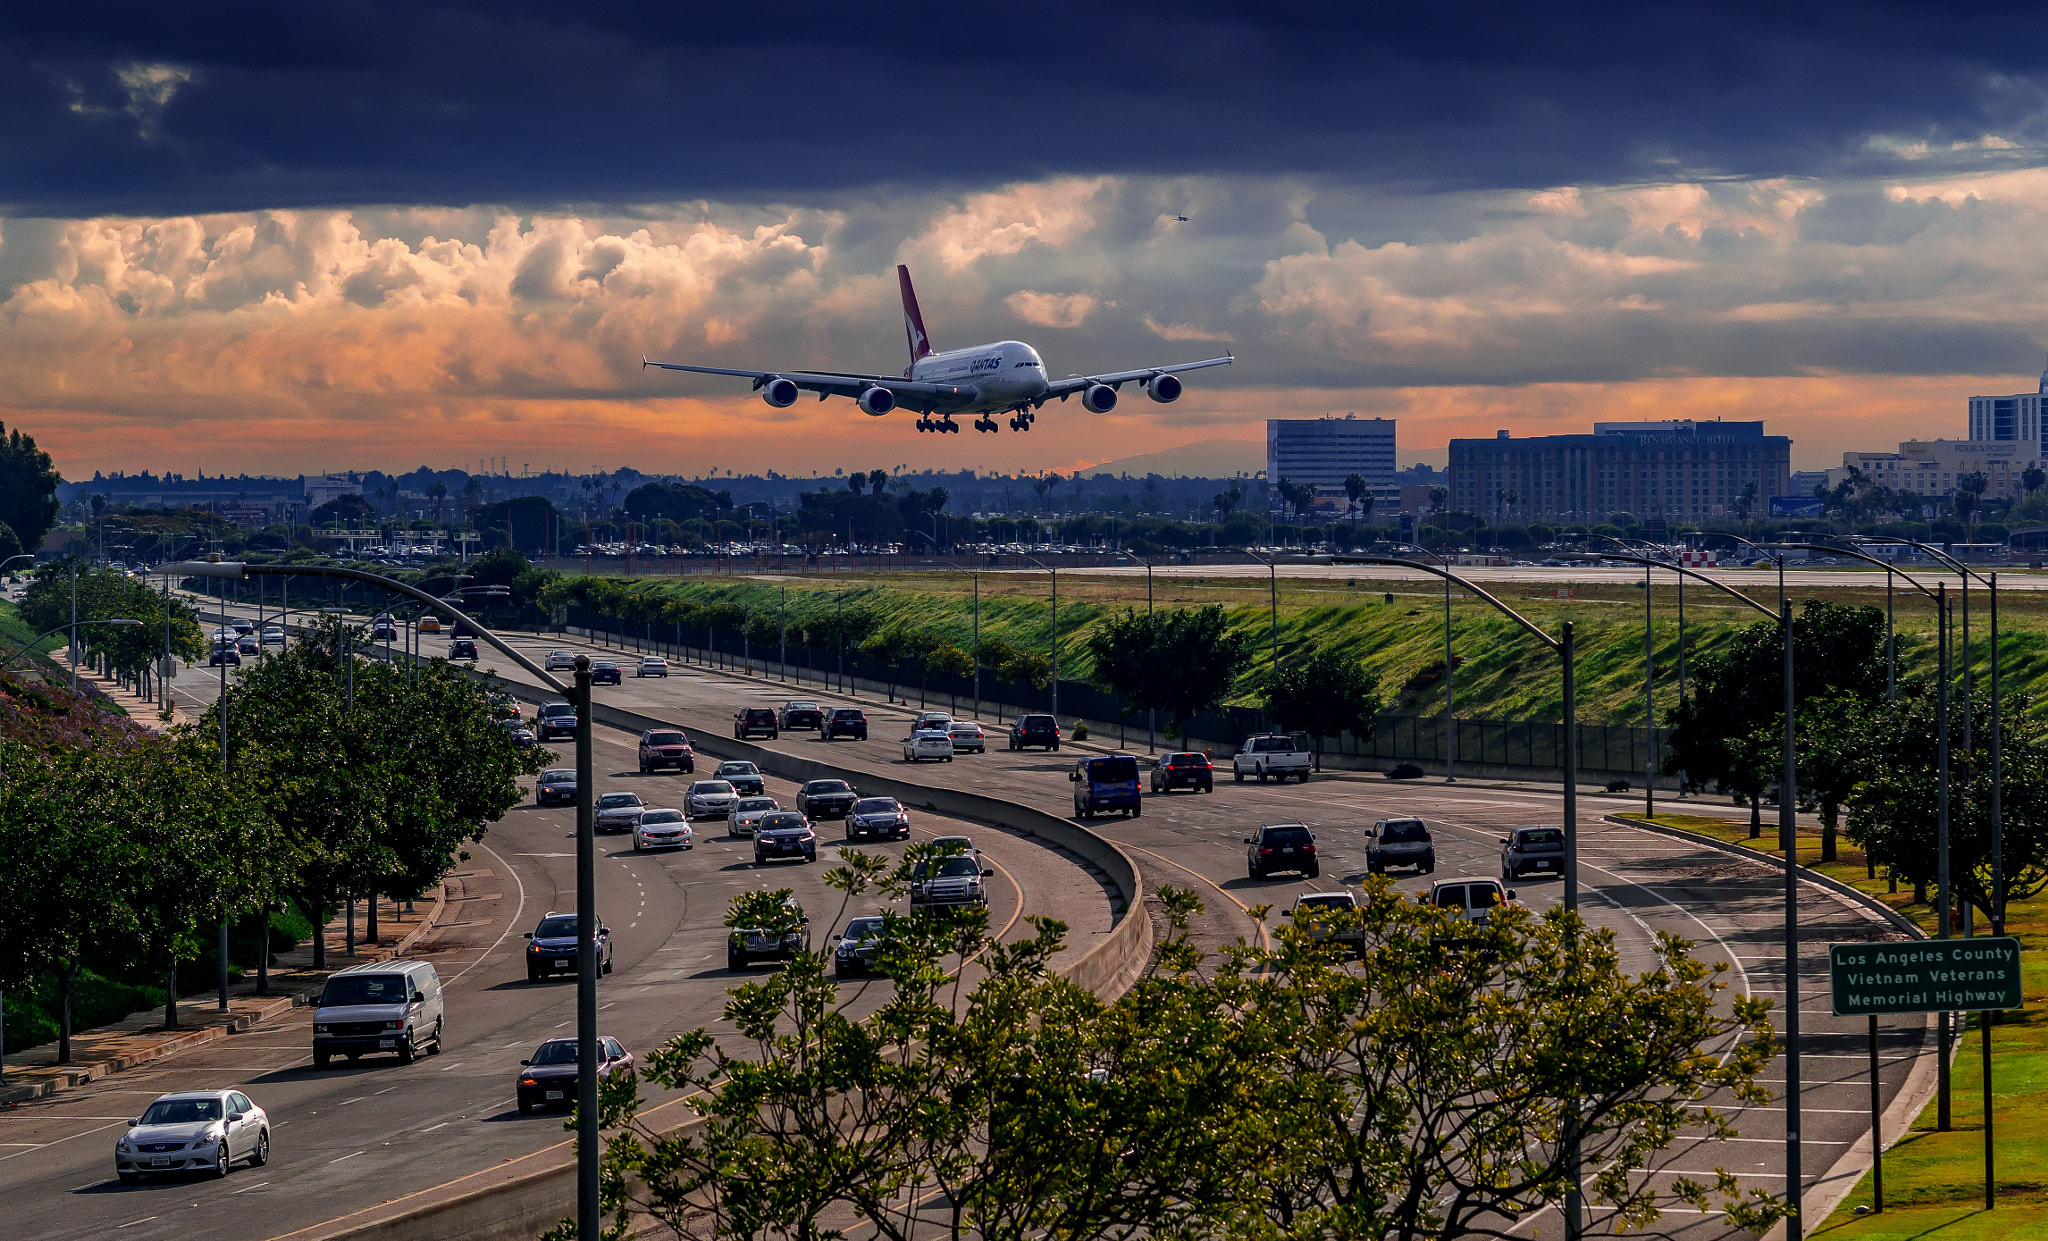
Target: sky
[288, 239]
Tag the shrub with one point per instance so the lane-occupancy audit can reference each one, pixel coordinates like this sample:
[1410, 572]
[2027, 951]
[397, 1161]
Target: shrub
[1617, 786]
[1404, 771]
[1080, 732]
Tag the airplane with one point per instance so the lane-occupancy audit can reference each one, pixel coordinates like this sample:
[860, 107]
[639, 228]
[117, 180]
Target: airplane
[1180, 219]
[1007, 376]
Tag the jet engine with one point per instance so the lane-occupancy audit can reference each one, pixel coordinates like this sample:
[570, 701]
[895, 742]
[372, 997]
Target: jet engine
[1163, 388]
[779, 392]
[877, 401]
[1099, 399]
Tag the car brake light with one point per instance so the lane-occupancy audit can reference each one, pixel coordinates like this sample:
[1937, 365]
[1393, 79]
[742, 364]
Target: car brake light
[1264, 849]
[1308, 848]
[529, 1081]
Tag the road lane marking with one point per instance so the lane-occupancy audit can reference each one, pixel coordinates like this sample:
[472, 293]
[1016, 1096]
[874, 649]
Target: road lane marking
[80, 1134]
[246, 1188]
[144, 1220]
[345, 1157]
[514, 921]
[443, 1125]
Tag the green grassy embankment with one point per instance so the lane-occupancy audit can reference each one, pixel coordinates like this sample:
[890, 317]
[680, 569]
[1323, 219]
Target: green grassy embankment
[1501, 672]
[1933, 1180]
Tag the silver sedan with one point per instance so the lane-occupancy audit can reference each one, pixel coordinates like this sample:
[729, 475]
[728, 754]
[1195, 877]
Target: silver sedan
[709, 799]
[194, 1131]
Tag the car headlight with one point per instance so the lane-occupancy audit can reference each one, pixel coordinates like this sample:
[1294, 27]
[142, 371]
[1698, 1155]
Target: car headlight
[319, 1027]
[394, 1025]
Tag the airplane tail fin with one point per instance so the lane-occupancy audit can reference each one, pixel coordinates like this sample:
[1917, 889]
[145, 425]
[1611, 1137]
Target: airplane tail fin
[913, 322]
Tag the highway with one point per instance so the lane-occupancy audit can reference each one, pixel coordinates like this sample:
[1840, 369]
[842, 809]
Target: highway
[454, 1114]
[354, 1136]
[1633, 882]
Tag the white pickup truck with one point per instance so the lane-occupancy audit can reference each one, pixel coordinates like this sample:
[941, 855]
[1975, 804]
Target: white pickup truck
[1272, 756]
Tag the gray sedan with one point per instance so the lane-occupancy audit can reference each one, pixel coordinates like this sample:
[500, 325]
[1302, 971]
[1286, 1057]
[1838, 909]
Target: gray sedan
[618, 812]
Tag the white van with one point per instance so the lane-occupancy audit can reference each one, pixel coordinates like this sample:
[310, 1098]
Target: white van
[392, 1006]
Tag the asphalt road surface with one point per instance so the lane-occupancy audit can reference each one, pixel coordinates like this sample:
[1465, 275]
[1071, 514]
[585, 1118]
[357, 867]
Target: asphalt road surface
[1634, 882]
[355, 1135]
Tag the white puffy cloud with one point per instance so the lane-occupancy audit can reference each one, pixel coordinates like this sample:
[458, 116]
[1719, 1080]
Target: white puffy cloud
[425, 325]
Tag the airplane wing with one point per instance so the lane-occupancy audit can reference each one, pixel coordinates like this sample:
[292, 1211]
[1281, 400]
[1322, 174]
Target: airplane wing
[1061, 389]
[922, 397]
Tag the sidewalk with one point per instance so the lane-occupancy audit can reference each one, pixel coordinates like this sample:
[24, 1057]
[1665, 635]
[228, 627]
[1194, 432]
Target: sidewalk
[142, 711]
[141, 1037]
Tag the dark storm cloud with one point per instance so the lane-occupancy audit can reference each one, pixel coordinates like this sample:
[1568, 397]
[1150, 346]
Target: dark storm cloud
[164, 108]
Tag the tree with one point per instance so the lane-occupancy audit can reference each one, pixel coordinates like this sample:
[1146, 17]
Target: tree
[1754, 760]
[1355, 489]
[892, 648]
[1969, 497]
[1279, 1092]
[1838, 651]
[2032, 478]
[67, 846]
[1893, 814]
[1439, 499]
[343, 510]
[1322, 695]
[28, 488]
[877, 480]
[1179, 662]
[1829, 749]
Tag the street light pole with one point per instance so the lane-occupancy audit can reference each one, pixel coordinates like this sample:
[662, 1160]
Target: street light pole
[588, 1218]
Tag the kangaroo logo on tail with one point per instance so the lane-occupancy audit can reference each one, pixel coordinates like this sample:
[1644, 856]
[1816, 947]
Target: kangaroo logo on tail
[913, 322]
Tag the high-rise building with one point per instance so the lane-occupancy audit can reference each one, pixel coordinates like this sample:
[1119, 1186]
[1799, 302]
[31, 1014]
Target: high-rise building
[1323, 452]
[2016, 417]
[1679, 470]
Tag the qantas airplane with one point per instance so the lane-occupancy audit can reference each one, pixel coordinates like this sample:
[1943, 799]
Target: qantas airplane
[1005, 377]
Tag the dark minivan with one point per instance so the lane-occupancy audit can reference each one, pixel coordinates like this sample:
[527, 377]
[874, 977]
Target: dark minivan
[1029, 730]
[1106, 783]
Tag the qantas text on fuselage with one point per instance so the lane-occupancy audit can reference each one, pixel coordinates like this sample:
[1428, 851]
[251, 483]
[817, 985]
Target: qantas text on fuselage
[1007, 377]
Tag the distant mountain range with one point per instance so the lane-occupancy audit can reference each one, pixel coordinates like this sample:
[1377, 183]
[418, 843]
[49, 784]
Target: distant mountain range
[1201, 459]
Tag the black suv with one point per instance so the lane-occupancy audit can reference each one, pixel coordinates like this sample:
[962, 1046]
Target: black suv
[1029, 730]
[1281, 846]
[846, 722]
[748, 721]
[462, 648]
[556, 719]
[553, 947]
[826, 799]
[748, 944]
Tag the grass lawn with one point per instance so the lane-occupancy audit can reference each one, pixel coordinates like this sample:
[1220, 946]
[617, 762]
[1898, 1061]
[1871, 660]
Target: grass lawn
[1934, 1181]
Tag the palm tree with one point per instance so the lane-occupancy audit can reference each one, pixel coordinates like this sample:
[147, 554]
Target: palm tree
[1354, 491]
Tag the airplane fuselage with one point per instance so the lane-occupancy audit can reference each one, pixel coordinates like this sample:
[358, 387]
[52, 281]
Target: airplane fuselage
[1004, 375]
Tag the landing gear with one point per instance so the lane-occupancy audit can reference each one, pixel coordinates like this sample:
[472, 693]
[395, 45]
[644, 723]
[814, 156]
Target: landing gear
[985, 423]
[940, 425]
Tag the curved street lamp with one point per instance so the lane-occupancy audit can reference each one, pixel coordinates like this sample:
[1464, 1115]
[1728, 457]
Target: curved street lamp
[588, 1137]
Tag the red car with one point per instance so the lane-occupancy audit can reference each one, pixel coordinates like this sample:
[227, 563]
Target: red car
[1186, 769]
[666, 747]
[752, 720]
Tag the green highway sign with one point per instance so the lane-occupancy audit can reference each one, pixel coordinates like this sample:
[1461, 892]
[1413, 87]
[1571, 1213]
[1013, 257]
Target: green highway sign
[1925, 976]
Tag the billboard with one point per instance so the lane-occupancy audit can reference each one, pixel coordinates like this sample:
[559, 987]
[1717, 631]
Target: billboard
[1795, 506]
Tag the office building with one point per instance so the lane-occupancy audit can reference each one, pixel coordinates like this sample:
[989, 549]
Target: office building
[1932, 468]
[1678, 470]
[2016, 418]
[1323, 452]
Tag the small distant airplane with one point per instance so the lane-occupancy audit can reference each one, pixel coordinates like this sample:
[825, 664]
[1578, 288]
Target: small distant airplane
[1005, 377]
[1181, 219]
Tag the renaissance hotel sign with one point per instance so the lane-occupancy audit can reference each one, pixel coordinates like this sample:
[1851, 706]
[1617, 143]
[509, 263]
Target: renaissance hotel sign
[1925, 976]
